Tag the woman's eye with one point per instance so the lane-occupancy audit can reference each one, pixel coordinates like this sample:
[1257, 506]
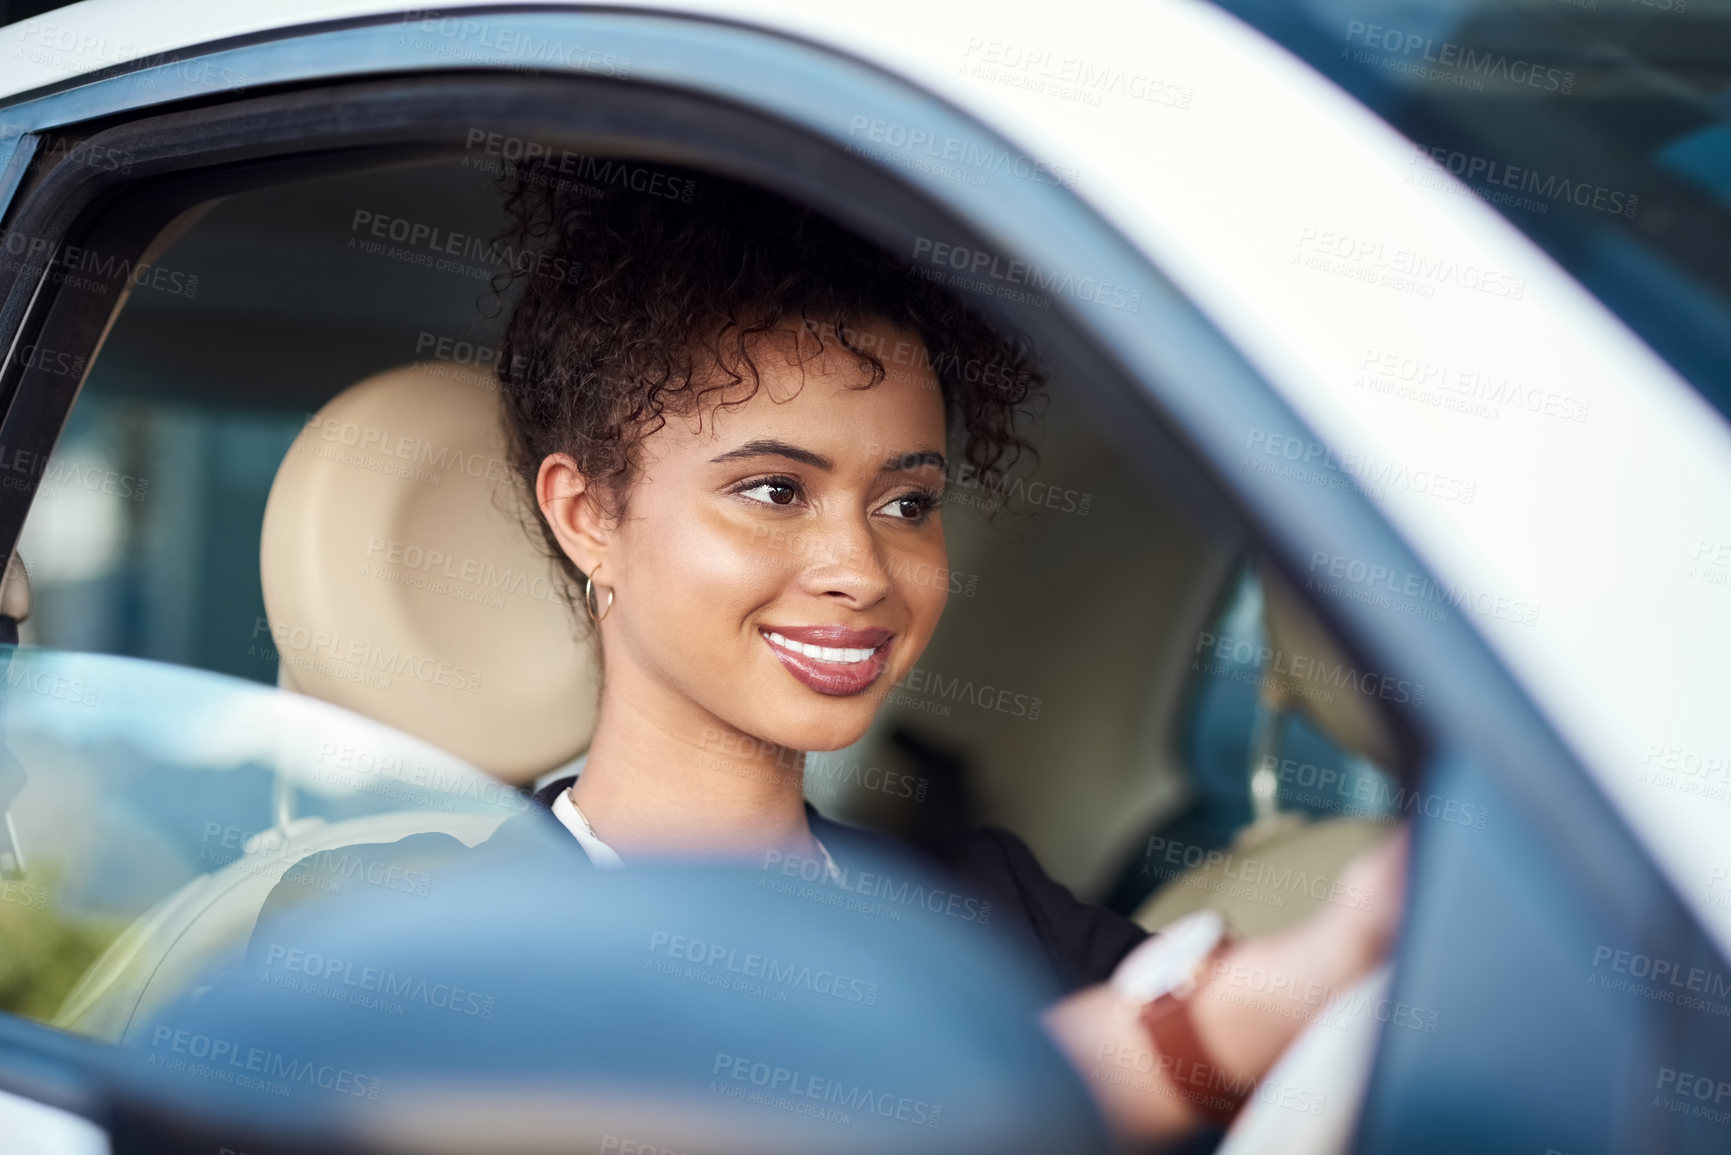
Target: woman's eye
[774, 491]
[911, 506]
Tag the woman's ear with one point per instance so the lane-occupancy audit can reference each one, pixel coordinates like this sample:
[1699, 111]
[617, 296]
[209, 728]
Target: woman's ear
[569, 504]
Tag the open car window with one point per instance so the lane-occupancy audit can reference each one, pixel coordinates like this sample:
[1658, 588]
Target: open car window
[148, 535]
[216, 404]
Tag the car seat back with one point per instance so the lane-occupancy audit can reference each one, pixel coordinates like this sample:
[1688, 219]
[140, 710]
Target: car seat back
[403, 577]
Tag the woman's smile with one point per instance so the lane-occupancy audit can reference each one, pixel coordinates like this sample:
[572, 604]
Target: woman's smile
[836, 660]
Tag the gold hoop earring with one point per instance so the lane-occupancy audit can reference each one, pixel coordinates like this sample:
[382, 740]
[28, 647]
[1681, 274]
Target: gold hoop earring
[589, 599]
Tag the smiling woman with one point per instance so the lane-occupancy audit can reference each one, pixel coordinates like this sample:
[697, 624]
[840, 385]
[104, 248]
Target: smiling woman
[736, 422]
[801, 634]
[733, 416]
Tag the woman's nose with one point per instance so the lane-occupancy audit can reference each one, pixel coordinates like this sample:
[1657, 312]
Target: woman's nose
[845, 564]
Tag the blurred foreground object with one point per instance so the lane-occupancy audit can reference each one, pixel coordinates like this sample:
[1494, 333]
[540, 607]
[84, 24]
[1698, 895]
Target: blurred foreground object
[529, 1003]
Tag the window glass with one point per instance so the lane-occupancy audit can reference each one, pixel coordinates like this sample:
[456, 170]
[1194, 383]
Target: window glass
[1601, 129]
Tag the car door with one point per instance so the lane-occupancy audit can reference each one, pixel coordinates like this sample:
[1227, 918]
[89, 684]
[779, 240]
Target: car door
[102, 174]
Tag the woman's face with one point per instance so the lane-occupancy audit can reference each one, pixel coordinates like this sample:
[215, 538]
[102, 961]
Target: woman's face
[781, 564]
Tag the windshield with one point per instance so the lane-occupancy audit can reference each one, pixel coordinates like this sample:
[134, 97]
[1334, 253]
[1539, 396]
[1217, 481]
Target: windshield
[1600, 128]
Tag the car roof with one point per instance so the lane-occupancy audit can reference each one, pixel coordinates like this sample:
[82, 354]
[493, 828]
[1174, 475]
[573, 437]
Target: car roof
[1271, 197]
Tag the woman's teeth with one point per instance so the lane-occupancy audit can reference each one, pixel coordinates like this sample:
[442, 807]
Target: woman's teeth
[821, 653]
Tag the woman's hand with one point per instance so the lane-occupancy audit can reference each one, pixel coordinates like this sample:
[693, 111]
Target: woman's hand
[1295, 974]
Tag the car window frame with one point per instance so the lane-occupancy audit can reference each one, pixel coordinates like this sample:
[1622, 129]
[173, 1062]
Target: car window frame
[1131, 367]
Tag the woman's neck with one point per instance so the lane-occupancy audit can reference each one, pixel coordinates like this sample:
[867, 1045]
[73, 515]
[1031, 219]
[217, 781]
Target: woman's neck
[660, 781]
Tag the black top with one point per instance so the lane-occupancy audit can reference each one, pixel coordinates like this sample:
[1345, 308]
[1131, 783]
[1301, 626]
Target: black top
[995, 879]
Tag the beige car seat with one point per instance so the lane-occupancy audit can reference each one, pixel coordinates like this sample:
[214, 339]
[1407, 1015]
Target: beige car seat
[401, 582]
[1252, 883]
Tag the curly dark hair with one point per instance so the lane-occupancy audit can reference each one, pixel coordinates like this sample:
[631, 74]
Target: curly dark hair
[635, 303]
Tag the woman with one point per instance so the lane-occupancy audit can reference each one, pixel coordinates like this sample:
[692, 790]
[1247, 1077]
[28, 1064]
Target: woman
[736, 420]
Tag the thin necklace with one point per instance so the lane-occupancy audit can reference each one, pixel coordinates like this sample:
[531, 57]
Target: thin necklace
[828, 862]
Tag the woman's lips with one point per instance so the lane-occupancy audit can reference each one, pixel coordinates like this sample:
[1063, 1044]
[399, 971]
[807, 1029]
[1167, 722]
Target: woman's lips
[834, 660]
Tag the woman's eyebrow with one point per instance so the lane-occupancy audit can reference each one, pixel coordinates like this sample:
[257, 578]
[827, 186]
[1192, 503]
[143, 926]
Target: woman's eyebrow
[898, 462]
[769, 447]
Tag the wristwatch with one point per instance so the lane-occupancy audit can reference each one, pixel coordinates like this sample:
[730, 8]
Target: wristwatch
[1156, 983]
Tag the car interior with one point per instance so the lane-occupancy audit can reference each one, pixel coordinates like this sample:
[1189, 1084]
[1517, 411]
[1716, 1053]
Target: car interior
[231, 494]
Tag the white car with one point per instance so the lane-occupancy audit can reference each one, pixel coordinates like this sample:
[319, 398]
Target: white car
[1486, 523]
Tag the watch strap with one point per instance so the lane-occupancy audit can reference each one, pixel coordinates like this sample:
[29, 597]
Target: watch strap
[1198, 1078]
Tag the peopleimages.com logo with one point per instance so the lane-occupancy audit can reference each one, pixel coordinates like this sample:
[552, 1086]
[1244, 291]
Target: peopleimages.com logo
[1450, 62]
[1537, 189]
[782, 975]
[365, 657]
[797, 1091]
[256, 1068]
[1301, 672]
[988, 270]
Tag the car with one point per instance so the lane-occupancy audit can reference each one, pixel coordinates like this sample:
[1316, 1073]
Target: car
[1419, 515]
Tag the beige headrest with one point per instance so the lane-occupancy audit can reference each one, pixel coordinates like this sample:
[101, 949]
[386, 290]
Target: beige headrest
[1345, 715]
[400, 579]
